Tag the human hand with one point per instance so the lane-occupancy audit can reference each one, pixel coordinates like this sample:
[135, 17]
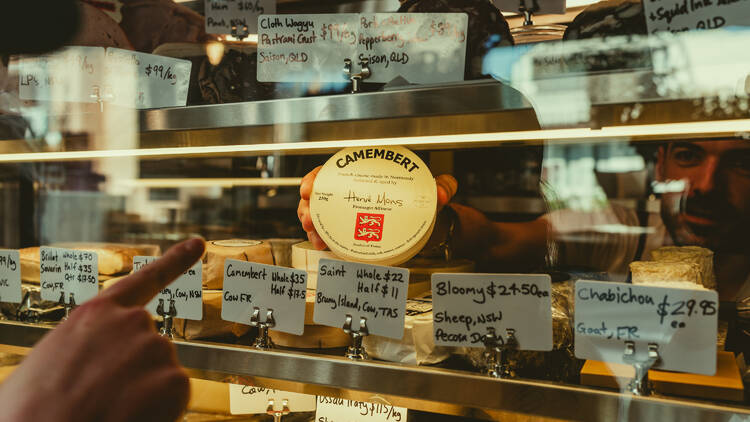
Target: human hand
[446, 189]
[106, 362]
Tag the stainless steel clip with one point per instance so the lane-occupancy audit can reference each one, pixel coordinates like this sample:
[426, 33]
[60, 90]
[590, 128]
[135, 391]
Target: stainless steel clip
[356, 351]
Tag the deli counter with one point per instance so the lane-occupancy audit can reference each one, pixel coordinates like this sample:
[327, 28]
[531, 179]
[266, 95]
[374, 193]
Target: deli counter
[549, 205]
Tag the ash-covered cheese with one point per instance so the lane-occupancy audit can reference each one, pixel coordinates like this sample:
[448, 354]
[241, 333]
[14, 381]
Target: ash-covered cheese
[375, 205]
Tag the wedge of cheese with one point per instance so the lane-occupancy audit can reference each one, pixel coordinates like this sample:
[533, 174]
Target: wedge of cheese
[703, 258]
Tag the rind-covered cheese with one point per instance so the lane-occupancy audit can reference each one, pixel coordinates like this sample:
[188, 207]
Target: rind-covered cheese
[702, 257]
[649, 272]
[219, 250]
[375, 205]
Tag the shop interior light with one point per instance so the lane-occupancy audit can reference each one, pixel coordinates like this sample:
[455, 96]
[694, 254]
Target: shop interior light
[213, 182]
[713, 129]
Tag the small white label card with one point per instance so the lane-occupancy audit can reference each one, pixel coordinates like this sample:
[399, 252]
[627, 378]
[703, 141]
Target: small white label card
[342, 410]
[682, 322]
[248, 285]
[71, 74]
[306, 48]
[684, 15]
[537, 7]
[10, 276]
[249, 400]
[374, 292]
[154, 81]
[68, 271]
[466, 305]
[221, 15]
[186, 291]
[420, 47]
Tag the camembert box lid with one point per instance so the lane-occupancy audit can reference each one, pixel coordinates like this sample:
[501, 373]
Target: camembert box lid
[374, 204]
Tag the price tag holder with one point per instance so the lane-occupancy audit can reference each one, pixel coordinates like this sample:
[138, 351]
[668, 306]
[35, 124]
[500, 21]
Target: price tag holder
[537, 7]
[306, 48]
[72, 74]
[68, 271]
[373, 292]
[146, 81]
[186, 291]
[342, 410]
[221, 15]
[249, 400]
[248, 285]
[10, 276]
[420, 47]
[684, 15]
[466, 305]
[681, 322]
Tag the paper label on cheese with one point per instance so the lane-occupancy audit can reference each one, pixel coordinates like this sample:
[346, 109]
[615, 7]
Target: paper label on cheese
[248, 285]
[374, 205]
[70, 74]
[681, 322]
[466, 305]
[685, 15]
[222, 15]
[332, 409]
[250, 400]
[186, 291]
[68, 272]
[306, 48]
[373, 292]
[10, 276]
[419, 47]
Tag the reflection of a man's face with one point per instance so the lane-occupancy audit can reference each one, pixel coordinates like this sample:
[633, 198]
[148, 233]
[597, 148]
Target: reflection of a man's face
[715, 209]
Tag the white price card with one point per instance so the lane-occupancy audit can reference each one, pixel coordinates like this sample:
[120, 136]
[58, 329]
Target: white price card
[143, 81]
[10, 276]
[342, 410]
[684, 15]
[186, 291]
[537, 7]
[682, 322]
[248, 285]
[466, 305]
[306, 48]
[221, 15]
[71, 74]
[250, 400]
[374, 292]
[419, 47]
[68, 272]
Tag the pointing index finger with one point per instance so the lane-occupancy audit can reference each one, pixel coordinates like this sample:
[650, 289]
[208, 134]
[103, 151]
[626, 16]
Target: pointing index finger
[140, 287]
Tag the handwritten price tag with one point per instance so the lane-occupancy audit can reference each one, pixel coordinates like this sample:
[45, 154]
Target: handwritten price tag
[684, 15]
[66, 271]
[221, 15]
[186, 291]
[465, 305]
[249, 400]
[248, 285]
[10, 276]
[420, 47]
[682, 322]
[72, 74]
[341, 410]
[374, 292]
[145, 81]
[305, 48]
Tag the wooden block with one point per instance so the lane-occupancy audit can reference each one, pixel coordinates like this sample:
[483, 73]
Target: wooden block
[725, 385]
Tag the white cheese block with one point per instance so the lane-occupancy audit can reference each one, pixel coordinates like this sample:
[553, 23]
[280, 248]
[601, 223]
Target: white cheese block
[306, 257]
[219, 250]
[374, 205]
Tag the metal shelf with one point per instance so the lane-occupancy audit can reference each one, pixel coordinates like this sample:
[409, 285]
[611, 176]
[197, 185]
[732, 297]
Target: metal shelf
[418, 388]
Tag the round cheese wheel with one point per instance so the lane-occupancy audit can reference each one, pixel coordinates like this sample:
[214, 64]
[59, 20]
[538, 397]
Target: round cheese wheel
[219, 250]
[306, 257]
[374, 205]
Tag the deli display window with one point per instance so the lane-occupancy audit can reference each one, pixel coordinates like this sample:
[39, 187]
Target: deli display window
[417, 210]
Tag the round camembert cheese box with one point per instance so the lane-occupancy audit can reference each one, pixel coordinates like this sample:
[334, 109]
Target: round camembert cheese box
[374, 204]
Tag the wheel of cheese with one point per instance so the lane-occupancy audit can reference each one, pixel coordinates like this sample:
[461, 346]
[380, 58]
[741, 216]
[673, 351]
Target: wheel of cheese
[374, 205]
[219, 250]
[306, 257]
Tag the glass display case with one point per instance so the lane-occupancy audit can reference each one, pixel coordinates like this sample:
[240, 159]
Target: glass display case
[583, 159]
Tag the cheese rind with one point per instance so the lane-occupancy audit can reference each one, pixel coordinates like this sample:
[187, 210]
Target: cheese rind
[703, 258]
[649, 272]
[219, 250]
